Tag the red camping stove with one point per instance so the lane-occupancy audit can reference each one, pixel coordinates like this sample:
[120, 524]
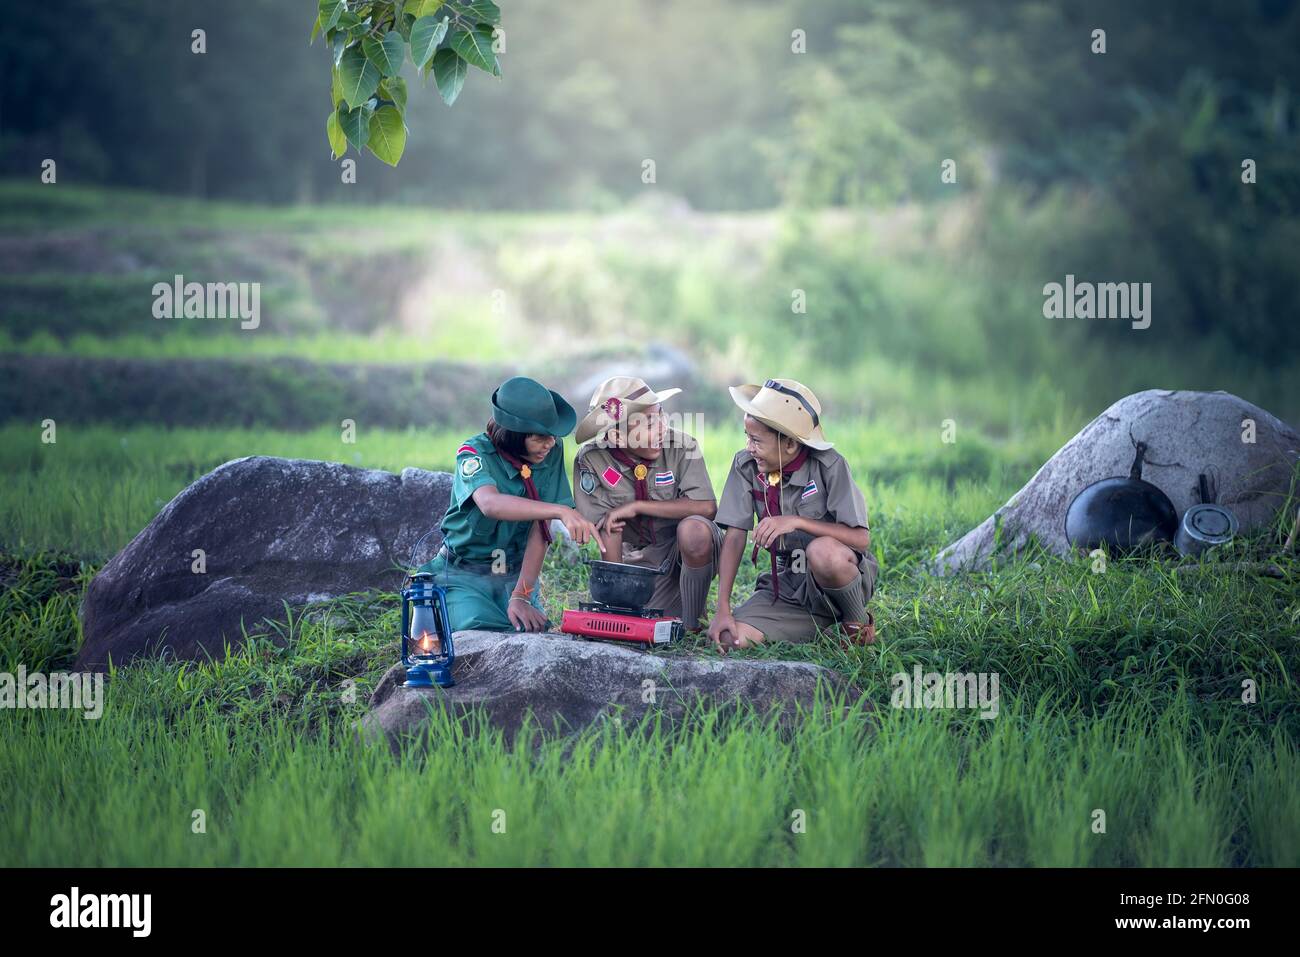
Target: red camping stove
[646, 626]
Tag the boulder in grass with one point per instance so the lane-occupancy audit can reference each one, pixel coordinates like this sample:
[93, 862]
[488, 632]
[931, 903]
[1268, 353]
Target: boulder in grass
[272, 531]
[1249, 454]
[568, 683]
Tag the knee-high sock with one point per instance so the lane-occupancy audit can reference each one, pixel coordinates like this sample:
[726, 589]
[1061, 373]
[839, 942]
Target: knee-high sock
[694, 582]
[848, 601]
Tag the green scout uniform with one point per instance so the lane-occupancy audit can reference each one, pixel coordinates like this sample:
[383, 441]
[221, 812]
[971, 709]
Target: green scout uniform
[822, 488]
[602, 483]
[480, 560]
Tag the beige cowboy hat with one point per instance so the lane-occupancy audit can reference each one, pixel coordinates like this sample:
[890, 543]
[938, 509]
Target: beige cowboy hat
[613, 401]
[787, 406]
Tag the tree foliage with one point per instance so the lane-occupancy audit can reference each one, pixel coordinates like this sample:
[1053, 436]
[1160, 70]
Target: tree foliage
[1156, 130]
[371, 40]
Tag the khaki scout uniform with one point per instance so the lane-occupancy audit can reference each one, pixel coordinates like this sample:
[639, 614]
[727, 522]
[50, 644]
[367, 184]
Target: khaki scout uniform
[601, 483]
[822, 488]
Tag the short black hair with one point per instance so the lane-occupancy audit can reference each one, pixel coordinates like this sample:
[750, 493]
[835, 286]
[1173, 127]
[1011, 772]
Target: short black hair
[508, 439]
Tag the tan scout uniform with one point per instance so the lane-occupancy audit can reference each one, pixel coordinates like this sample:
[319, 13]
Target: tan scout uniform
[601, 484]
[822, 488]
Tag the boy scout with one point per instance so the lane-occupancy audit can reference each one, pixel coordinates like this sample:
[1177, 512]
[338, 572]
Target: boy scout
[509, 483]
[647, 489]
[812, 521]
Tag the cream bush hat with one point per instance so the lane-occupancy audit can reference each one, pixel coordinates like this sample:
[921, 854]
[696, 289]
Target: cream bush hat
[787, 406]
[613, 401]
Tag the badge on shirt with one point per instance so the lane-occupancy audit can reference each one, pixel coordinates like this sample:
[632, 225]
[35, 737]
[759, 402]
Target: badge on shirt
[612, 476]
[664, 478]
[587, 481]
[809, 490]
[470, 465]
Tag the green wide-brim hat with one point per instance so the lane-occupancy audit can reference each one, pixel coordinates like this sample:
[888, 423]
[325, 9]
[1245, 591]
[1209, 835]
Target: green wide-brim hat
[525, 405]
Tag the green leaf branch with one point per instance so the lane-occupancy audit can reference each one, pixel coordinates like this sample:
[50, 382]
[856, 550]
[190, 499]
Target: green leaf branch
[371, 40]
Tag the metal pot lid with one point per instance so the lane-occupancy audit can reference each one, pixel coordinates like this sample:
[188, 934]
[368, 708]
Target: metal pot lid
[1210, 523]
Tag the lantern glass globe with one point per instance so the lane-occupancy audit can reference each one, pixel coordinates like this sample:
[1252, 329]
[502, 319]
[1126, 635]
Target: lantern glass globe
[424, 632]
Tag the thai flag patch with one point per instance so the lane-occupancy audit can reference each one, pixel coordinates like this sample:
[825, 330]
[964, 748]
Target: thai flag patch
[612, 476]
[664, 478]
[809, 490]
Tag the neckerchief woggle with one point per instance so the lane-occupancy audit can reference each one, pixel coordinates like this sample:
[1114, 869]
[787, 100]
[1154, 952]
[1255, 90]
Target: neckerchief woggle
[639, 473]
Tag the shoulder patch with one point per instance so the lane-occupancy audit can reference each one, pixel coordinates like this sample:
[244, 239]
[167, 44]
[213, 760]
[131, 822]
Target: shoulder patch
[467, 448]
[587, 481]
[470, 465]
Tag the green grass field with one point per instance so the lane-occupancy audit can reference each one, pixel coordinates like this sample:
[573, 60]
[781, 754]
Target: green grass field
[1121, 692]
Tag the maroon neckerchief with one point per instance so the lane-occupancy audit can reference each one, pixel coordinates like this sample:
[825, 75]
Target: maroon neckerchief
[642, 489]
[530, 489]
[770, 496]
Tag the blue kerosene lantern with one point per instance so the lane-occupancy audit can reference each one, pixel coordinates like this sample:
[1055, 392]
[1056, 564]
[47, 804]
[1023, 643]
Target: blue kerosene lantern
[427, 648]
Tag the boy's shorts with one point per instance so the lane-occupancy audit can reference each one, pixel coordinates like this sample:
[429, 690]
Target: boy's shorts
[799, 617]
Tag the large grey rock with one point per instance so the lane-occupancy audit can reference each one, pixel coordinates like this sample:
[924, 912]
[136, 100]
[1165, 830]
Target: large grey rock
[1186, 433]
[567, 684]
[272, 531]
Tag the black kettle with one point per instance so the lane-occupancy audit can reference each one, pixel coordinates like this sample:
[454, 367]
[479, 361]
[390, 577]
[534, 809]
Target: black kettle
[1123, 514]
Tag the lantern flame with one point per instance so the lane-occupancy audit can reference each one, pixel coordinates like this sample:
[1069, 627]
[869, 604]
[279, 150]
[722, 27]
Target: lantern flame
[427, 643]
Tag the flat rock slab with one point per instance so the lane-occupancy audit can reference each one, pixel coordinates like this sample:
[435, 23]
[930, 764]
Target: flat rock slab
[567, 684]
[272, 531]
[1186, 433]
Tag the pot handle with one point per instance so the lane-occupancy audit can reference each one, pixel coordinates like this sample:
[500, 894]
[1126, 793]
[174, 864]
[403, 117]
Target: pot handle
[662, 570]
[1136, 471]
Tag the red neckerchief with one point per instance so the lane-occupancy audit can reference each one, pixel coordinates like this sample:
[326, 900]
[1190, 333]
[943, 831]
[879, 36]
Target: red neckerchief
[770, 496]
[530, 489]
[642, 489]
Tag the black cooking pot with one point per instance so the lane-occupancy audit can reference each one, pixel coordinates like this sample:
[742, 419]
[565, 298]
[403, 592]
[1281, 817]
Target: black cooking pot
[623, 585]
[1121, 513]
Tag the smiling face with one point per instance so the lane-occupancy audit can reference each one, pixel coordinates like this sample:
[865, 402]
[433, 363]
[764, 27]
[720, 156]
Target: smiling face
[642, 433]
[769, 448]
[537, 447]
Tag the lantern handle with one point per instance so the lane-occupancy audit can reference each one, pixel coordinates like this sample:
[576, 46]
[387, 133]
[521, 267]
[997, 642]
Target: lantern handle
[416, 548]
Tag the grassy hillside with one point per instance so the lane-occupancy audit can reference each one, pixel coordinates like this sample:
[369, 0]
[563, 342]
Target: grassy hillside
[912, 315]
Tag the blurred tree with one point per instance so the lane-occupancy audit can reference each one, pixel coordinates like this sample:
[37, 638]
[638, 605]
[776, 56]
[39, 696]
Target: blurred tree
[1160, 123]
[593, 89]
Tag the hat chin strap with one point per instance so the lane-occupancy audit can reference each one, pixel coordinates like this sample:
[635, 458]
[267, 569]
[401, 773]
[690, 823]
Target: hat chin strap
[781, 439]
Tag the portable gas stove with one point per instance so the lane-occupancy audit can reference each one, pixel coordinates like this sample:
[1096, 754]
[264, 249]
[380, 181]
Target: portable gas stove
[646, 626]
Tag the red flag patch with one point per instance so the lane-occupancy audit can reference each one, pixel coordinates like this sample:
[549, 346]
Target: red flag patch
[612, 476]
